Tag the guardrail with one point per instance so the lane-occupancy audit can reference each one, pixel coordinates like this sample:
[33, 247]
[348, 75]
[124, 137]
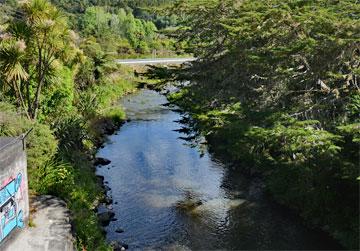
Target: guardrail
[152, 61]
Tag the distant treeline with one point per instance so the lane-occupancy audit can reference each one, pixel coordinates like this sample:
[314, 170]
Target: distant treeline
[143, 9]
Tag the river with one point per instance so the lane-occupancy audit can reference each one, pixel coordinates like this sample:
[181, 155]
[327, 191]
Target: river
[169, 195]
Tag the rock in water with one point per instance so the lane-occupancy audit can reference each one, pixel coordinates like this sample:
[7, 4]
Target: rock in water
[119, 246]
[107, 200]
[119, 230]
[217, 206]
[102, 162]
[124, 245]
[105, 218]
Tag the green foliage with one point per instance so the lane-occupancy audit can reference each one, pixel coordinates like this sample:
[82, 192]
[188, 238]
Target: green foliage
[41, 149]
[85, 76]
[276, 88]
[63, 86]
[54, 178]
[299, 142]
[41, 143]
[29, 50]
[353, 107]
[116, 114]
[71, 133]
[58, 101]
[142, 9]
[101, 24]
[42, 146]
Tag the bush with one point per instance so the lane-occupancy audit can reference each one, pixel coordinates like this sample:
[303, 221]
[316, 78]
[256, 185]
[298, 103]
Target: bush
[71, 133]
[55, 178]
[58, 101]
[116, 114]
[41, 148]
[41, 143]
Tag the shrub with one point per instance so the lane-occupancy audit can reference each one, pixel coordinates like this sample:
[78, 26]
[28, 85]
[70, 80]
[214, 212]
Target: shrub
[116, 114]
[55, 178]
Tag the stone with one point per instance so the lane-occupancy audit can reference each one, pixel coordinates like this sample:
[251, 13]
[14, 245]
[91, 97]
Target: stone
[105, 218]
[100, 179]
[166, 104]
[115, 245]
[124, 245]
[102, 162]
[107, 188]
[108, 200]
[119, 230]
[119, 246]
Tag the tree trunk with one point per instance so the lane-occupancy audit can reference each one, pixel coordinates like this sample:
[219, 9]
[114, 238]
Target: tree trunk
[22, 100]
[40, 80]
[37, 98]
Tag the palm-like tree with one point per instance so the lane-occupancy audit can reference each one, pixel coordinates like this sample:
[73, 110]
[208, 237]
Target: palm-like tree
[12, 55]
[38, 36]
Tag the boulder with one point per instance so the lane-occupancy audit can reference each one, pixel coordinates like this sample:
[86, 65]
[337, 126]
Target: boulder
[105, 218]
[102, 162]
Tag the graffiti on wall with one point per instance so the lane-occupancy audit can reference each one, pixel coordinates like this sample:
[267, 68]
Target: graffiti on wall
[11, 215]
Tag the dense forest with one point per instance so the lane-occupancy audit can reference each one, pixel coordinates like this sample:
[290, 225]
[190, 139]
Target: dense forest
[275, 90]
[145, 10]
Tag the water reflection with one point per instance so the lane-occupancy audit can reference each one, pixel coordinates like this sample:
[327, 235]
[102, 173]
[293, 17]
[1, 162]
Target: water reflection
[169, 197]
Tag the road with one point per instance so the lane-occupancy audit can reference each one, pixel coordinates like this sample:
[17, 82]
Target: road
[154, 61]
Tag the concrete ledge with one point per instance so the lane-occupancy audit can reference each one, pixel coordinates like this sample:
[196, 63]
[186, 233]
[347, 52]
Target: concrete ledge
[52, 230]
[14, 199]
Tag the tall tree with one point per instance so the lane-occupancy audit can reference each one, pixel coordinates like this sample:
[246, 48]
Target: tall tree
[34, 40]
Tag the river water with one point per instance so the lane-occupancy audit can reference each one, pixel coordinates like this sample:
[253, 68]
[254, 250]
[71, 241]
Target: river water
[169, 195]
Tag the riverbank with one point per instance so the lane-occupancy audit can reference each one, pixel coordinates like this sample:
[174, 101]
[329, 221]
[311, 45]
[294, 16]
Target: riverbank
[169, 193]
[275, 91]
[295, 183]
[107, 119]
[61, 151]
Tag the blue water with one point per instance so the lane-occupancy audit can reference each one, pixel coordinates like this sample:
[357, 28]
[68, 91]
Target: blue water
[169, 195]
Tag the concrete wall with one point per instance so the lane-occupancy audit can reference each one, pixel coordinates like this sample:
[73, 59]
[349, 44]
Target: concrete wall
[14, 198]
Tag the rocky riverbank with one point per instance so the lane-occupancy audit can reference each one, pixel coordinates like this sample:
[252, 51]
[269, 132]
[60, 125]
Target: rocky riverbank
[106, 127]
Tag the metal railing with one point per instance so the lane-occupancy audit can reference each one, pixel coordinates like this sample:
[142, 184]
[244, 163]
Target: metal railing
[22, 137]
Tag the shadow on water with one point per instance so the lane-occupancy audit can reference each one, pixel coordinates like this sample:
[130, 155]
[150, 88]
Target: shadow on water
[171, 195]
